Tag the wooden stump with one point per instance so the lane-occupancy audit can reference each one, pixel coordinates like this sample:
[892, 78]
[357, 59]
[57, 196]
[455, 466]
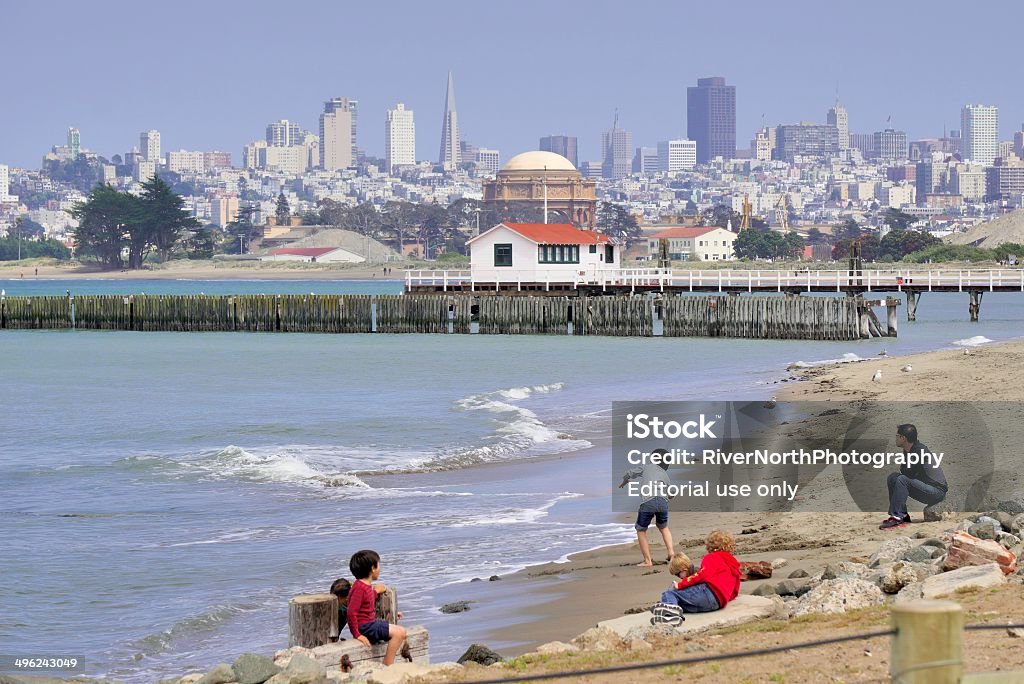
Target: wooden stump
[386, 607]
[312, 620]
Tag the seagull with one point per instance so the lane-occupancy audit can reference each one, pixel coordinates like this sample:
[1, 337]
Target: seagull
[967, 352]
[907, 368]
[877, 377]
[883, 353]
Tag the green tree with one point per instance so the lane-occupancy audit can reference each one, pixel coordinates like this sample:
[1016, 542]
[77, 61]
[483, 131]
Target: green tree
[755, 244]
[283, 212]
[109, 225]
[163, 218]
[241, 231]
[900, 243]
[847, 230]
[816, 237]
[614, 219]
[897, 219]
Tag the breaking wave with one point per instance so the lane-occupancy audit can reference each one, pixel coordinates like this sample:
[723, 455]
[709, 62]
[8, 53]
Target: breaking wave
[845, 358]
[975, 341]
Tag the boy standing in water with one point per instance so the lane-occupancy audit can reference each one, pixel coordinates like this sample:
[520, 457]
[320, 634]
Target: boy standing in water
[365, 567]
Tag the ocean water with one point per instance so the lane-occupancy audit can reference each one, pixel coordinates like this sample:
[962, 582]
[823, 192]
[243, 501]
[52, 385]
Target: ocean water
[162, 495]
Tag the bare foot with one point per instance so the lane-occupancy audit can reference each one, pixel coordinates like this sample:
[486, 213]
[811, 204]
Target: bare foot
[645, 564]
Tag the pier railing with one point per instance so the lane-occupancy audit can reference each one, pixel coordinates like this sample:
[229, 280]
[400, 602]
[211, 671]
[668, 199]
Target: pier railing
[722, 280]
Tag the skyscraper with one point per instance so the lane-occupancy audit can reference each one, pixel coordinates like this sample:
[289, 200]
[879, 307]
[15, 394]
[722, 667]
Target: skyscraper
[979, 128]
[890, 145]
[399, 137]
[616, 151]
[284, 133]
[837, 117]
[711, 118]
[149, 145]
[337, 134]
[74, 142]
[677, 155]
[449, 156]
[564, 145]
[5, 182]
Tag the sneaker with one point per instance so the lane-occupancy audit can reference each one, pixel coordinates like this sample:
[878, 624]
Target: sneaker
[906, 518]
[892, 522]
[667, 614]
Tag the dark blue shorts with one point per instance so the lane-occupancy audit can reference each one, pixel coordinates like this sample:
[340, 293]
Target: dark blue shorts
[657, 510]
[376, 631]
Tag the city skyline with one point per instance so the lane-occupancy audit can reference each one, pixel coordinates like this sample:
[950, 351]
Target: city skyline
[233, 91]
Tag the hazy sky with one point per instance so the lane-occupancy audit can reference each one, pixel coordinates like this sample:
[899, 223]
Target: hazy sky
[212, 74]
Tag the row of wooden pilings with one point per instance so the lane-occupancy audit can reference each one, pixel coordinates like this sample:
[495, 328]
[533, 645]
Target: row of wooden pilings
[765, 317]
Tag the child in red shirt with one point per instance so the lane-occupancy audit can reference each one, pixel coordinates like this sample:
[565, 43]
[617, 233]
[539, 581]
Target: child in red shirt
[365, 567]
[715, 584]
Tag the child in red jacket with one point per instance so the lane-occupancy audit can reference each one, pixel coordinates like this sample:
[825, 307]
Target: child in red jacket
[715, 584]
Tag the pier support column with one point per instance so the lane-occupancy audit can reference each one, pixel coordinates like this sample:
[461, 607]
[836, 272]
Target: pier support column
[975, 306]
[912, 299]
[891, 315]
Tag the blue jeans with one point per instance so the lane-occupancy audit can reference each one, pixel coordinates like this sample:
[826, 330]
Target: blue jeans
[901, 487]
[696, 599]
[656, 509]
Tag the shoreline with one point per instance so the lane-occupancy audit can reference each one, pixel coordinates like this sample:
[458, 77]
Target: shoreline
[565, 592]
[205, 270]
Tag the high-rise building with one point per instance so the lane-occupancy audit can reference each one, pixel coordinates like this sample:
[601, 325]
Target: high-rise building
[805, 140]
[616, 148]
[863, 143]
[149, 145]
[677, 155]
[646, 160]
[763, 144]
[337, 134]
[1005, 179]
[399, 138]
[5, 182]
[185, 161]
[979, 128]
[450, 154]
[487, 160]
[217, 160]
[890, 145]
[467, 151]
[564, 145]
[284, 133]
[74, 142]
[1018, 143]
[837, 117]
[1005, 148]
[711, 118]
[223, 210]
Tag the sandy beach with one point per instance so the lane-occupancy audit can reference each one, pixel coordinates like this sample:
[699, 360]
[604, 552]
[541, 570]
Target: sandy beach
[568, 598]
[201, 270]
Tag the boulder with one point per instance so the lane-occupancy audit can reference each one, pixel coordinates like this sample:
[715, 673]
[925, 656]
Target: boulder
[799, 573]
[297, 678]
[637, 645]
[493, 578]
[897, 576]
[919, 554]
[793, 587]
[300, 663]
[556, 647]
[220, 674]
[478, 653]
[1007, 540]
[403, 672]
[1013, 506]
[891, 550]
[191, 678]
[1004, 519]
[283, 657]
[598, 639]
[250, 668]
[1017, 524]
[970, 577]
[780, 609]
[846, 569]
[985, 528]
[755, 570]
[779, 563]
[455, 607]
[838, 596]
[966, 550]
[767, 590]
[645, 632]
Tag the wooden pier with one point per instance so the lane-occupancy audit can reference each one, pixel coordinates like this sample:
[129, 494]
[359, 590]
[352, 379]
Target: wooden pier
[639, 315]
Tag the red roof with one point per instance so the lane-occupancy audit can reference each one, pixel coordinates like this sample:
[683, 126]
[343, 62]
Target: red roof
[557, 233]
[303, 251]
[684, 232]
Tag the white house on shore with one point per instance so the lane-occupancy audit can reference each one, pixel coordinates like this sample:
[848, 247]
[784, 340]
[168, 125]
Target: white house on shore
[319, 255]
[540, 252]
[700, 243]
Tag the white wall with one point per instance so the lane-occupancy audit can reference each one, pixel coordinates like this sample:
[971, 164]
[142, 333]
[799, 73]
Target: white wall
[525, 258]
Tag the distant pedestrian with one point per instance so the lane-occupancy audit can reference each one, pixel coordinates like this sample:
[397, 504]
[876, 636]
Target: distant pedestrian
[37, 271]
[652, 507]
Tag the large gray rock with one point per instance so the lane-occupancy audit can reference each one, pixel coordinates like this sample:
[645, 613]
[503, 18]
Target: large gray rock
[897, 576]
[799, 573]
[220, 674]
[919, 554]
[839, 596]
[599, 639]
[254, 669]
[1012, 506]
[891, 550]
[478, 653]
[455, 607]
[1004, 519]
[846, 569]
[1007, 540]
[985, 528]
[971, 577]
[303, 663]
[793, 587]
[297, 678]
[1017, 525]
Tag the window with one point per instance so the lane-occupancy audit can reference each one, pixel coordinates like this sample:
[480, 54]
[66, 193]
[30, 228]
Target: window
[593, 248]
[609, 254]
[558, 254]
[503, 255]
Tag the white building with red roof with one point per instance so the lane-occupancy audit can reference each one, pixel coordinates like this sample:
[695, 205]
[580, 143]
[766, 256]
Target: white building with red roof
[319, 255]
[698, 243]
[541, 252]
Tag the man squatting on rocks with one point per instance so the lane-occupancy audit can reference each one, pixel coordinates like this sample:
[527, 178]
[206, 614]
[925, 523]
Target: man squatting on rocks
[924, 483]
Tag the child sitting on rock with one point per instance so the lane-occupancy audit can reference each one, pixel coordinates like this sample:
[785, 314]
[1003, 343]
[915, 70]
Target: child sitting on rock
[340, 588]
[710, 588]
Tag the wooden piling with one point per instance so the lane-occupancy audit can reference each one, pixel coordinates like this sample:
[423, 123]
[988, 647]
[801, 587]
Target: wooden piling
[928, 646]
[312, 620]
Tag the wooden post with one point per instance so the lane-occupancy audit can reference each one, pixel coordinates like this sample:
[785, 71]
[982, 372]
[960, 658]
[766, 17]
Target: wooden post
[912, 299]
[975, 306]
[891, 317]
[928, 645]
[312, 620]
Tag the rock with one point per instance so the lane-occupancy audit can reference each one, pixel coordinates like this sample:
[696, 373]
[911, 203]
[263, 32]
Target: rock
[283, 657]
[780, 609]
[598, 639]
[799, 573]
[191, 678]
[1015, 633]
[478, 653]
[765, 590]
[297, 678]
[891, 550]
[646, 632]
[456, 607]
[638, 645]
[555, 647]
[779, 563]
[403, 672]
[303, 663]
[1004, 519]
[1017, 525]
[476, 579]
[964, 525]
[966, 550]
[755, 570]
[493, 578]
[838, 596]
[897, 576]
[918, 554]
[220, 674]
[250, 668]
[793, 587]
[985, 528]
[1013, 506]
[1007, 540]
[846, 569]
[970, 577]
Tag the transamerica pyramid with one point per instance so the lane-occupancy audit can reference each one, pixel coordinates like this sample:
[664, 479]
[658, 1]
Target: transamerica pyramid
[449, 156]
